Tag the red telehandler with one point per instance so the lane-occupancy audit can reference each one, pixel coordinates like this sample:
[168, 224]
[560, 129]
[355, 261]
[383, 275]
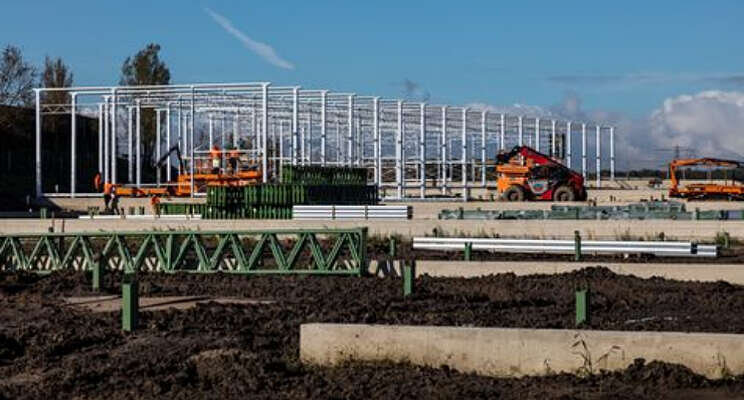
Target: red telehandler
[526, 174]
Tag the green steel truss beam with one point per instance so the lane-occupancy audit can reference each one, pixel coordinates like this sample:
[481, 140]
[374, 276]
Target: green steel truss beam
[321, 251]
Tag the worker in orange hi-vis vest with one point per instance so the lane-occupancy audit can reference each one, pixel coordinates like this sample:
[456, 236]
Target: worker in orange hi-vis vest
[215, 155]
[155, 203]
[106, 196]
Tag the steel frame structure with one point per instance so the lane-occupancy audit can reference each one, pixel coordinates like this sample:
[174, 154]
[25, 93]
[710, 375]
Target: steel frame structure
[230, 251]
[405, 144]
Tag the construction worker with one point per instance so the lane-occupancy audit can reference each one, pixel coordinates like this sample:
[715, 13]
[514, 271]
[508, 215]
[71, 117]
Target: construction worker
[155, 203]
[216, 156]
[107, 196]
[114, 200]
[233, 159]
[97, 182]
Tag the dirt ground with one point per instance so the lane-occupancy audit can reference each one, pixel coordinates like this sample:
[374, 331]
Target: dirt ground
[52, 350]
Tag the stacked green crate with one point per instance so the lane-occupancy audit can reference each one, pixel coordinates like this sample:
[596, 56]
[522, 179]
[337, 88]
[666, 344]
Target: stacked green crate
[302, 185]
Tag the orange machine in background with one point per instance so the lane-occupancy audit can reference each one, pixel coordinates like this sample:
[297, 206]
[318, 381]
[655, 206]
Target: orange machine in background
[237, 172]
[731, 190]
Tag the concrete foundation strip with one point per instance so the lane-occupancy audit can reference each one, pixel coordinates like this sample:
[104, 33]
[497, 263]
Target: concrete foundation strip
[520, 352]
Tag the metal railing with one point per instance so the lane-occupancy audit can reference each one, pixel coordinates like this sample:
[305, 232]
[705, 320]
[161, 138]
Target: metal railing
[669, 249]
[321, 251]
[352, 212]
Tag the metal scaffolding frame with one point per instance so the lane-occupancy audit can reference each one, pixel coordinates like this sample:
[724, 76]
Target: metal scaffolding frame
[408, 146]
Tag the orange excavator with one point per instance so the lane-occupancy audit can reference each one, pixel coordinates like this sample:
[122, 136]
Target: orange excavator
[731, 190]
[237, 173]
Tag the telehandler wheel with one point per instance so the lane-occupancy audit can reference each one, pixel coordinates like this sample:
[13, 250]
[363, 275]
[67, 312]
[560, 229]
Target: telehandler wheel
[513, 193]
[563, 193]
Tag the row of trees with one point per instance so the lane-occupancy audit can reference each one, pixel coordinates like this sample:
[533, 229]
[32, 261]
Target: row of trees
[18, 78]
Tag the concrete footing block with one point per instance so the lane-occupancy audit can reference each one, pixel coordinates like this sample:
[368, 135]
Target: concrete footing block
[520, 352]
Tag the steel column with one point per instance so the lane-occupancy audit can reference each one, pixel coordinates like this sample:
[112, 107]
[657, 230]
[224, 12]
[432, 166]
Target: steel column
[552, 139]
[100, 138]
[139, 144]
[350, 138]
[235, 131]
[295, 123]
[106, 141]
[378, 143]
[180, 131]
[264, 126]
[599, 158]
[464, 155]
[130, 156]
[281, 147]
[612, 153]
[519, 131]
[484, 117]
[323, 143]
[158, 145]
[191, 148]
[443, 162]
[502, 133]
[211, 132]
[537, 134]
[399, 165]
[583, 150]
[568, 144]
[422, 151]
[168, 141]
[114, 101]
[73, 143]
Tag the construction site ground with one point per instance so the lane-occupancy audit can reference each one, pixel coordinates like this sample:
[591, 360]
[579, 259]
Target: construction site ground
[425, 220]
[52, 349]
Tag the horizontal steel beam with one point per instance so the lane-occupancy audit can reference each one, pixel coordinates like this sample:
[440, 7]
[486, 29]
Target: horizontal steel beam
[351, 212]
[264, 251]
[675, 249]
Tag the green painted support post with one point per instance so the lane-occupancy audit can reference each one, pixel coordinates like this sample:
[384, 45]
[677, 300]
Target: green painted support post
[577, 246]
[409, 277]
[364, 266]
[582, 307]
[130, 303]
[393, 247]
[726, 240]
[97, 275]
[468, 250]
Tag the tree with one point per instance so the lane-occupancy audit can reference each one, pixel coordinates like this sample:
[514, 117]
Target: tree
[146, 68]
[56, 75]
[17, 78]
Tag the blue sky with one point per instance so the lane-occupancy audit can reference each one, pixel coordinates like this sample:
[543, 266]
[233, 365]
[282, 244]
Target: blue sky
[623, 56]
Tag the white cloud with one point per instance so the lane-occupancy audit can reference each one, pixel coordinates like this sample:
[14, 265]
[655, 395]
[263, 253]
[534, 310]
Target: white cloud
[708, 121]
[262, 49]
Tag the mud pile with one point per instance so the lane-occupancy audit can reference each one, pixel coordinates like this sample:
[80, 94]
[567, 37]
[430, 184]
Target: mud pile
[235, 351]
